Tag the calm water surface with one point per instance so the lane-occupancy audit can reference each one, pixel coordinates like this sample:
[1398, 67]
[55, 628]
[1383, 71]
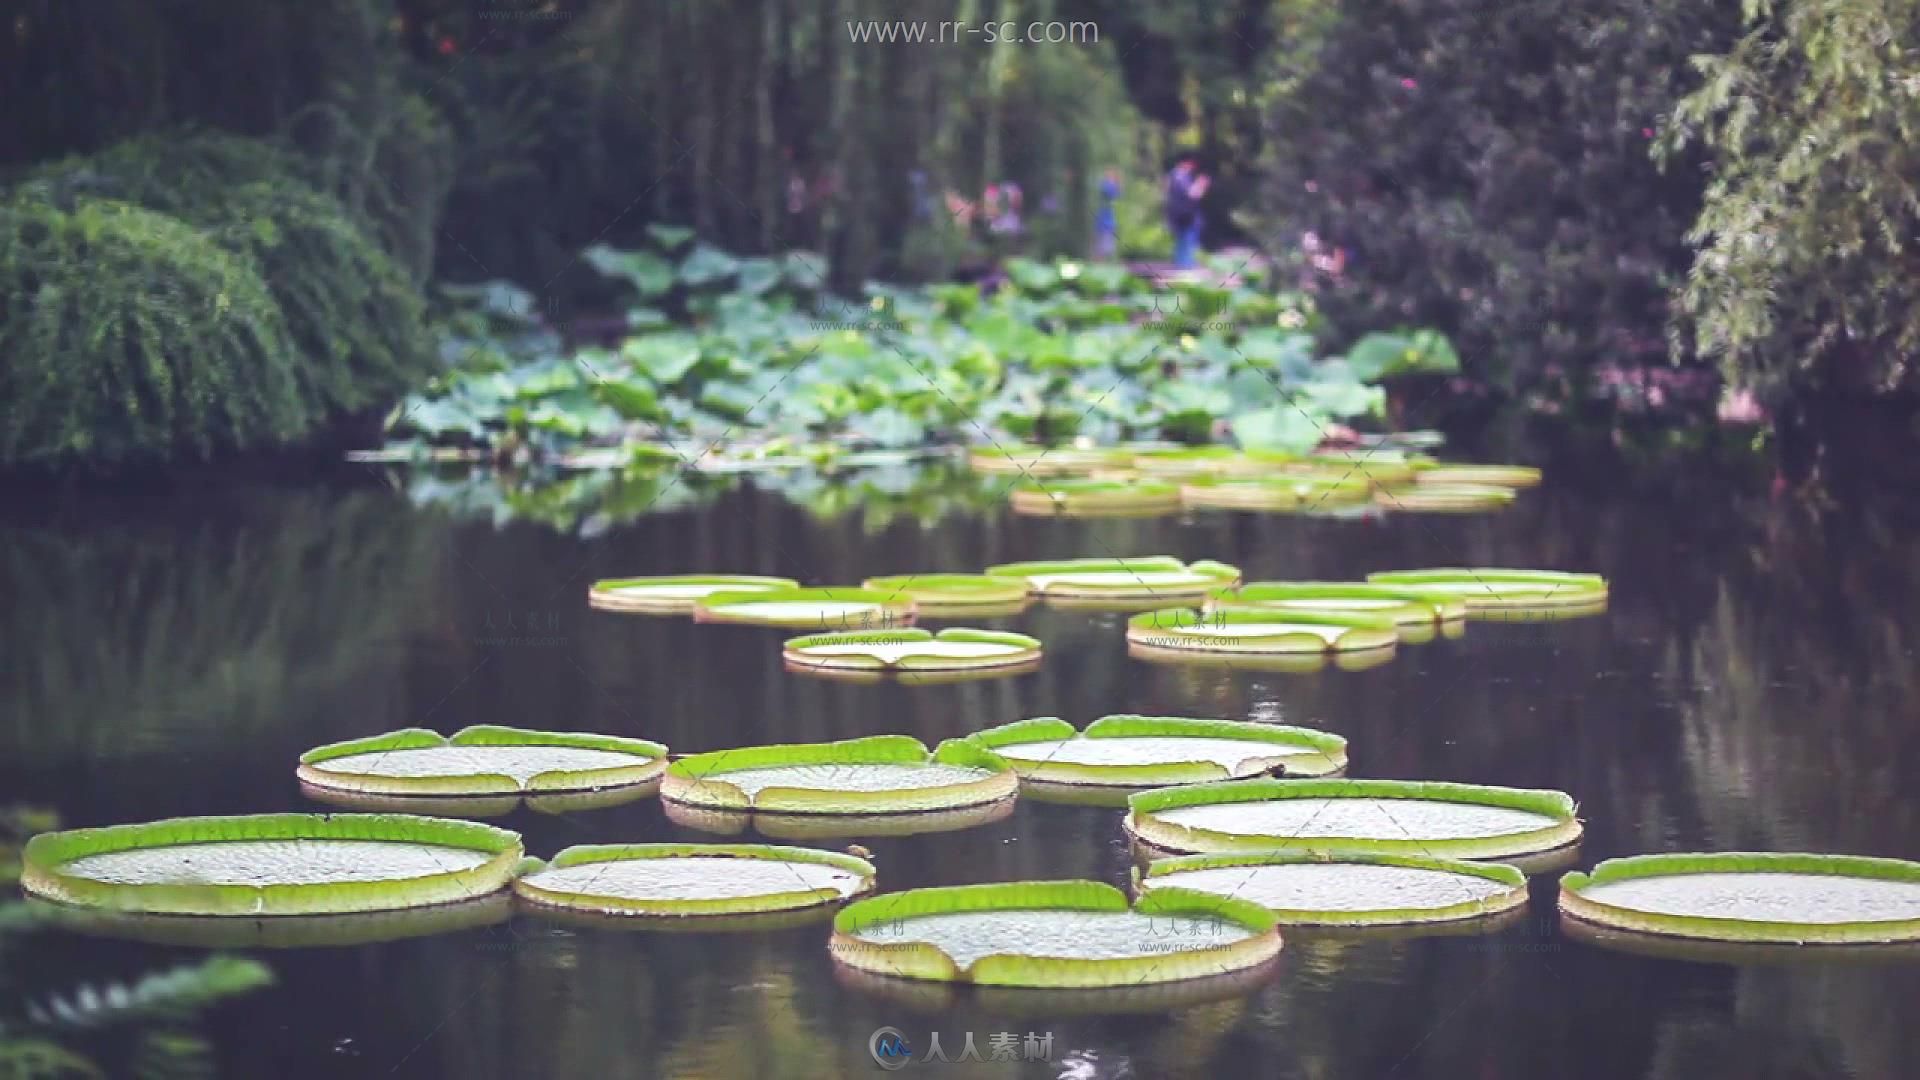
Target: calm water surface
[1752, 687]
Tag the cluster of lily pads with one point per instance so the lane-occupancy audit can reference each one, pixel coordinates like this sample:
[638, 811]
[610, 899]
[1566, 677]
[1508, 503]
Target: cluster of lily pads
[729, 359]
[1127, 481]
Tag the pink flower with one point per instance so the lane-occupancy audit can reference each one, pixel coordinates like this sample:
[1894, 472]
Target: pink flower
[1408, 84]
[1646, 133]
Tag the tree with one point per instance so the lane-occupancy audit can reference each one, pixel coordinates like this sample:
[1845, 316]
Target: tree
[1805, 275]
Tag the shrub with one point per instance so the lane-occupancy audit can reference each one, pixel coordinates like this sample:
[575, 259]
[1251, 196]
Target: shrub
[127, 336]
[355, 318]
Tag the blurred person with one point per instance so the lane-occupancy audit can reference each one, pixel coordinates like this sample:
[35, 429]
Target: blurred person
[1106, 220]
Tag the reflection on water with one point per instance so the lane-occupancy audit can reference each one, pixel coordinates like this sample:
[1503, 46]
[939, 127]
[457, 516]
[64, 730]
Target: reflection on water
[1752, 685]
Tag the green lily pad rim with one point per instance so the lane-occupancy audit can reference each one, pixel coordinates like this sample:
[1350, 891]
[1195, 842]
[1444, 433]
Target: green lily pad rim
[652, 755]
[1514, 476]
[1254, 594]
[924, 960]
[1558, 806]
[1513, 879]
[1070, 494]
[1030, 649]
[1326, 745]
[935, 590]
[1364, 631]
[1575, 902]
[606, 585]
[1221, 573]
[45, 857]
[699, 779]
[1575, 583]
[713, 607]
[527, 885]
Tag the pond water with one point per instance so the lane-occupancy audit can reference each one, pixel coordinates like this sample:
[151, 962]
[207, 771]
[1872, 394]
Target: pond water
[1752, 686]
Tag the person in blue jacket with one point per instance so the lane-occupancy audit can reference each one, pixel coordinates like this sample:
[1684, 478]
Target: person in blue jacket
[1106, 221]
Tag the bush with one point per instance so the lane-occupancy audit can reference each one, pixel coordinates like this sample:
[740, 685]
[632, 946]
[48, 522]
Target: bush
[127, 336]
[356, 323]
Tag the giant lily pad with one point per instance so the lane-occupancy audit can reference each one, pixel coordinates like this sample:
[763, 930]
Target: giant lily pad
[272, 864]
[880, 774]
[1382, 469]
[1094, 498]
[1151, 999]
[1190, 461]
[1445, 498]
[1029, 460]
[934, 595]
[482, 760]
[1274, 492]
[910, 649]
[1238, 630]
[1505, 593]
[1286, 663]
[1405, 607]
[819, 827]
[833, 608]
[679, 880]
[1388, 816]
[1347, 888]
[1051, 933]
[1781, 898]
[1152, 577]
[666, 595]
[1508, 476]
[1122, 753]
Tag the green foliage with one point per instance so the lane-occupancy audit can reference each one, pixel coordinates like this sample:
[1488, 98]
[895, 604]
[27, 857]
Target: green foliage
[1490, 175]
[1806, 262]
[1065, 349]
[127, 336]
[351, 311]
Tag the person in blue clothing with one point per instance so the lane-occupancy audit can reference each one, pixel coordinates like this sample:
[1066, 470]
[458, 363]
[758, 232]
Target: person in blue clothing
[1106, 222]
[1185, 188]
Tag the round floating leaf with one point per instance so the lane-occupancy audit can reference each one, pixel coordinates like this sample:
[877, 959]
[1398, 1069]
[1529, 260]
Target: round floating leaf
[1029, 460]
[1379, 468]
[821, 827]
[675, 594]
[286, 932]
[1051, 934]
[1260, 631]
[832, 608]
[482, 760]
[483, 806]
[1504, 592]
[1508, 476]
[1446, 498]
[1774, 897]
[933, 594]
[1133, 752]
[1153, 998]
[880, 774]
[1073, 498]
[955, 648]
[1195, 461]
[1405, 607]
[1288, 663]
[1446, 820]
[1347, 888]
[272, 864]
[1275, 492]
[677, 880]
[1151, 577]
